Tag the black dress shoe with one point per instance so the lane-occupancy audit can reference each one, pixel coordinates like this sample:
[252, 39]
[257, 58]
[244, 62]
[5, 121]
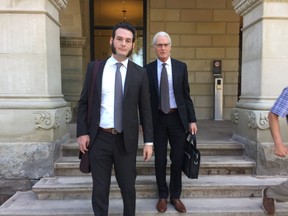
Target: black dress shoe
[179, 206]
[161, 205]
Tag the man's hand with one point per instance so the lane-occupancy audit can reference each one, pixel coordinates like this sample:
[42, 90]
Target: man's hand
[147, 152]
[83, 142]
[193, 128]
[281, 150]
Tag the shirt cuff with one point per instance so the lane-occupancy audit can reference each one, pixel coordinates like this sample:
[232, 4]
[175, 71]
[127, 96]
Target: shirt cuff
[149, 143]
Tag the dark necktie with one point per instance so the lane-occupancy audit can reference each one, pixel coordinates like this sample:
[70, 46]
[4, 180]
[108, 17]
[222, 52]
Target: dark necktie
[164, 90]
[118, 99]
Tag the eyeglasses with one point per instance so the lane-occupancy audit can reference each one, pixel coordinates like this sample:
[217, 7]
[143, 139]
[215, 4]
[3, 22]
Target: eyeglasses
[161, 45]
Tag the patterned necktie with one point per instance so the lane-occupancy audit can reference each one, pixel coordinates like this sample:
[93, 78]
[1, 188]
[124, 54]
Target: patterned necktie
[164, 90]
[118, 99]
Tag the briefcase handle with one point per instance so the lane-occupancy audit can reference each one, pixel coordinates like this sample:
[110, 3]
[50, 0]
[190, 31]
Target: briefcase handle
[191, 138]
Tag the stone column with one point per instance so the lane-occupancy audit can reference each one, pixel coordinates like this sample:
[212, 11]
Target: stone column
[33, 113]
[264, 75]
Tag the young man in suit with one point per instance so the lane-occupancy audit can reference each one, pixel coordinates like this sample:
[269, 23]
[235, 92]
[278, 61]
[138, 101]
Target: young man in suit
[172, 118]
[110, 142]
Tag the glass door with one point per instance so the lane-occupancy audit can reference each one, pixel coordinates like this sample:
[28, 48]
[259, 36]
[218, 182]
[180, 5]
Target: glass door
[105, 14]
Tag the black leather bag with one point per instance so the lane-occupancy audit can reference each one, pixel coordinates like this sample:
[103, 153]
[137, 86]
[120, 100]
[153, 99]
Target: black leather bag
[192, 156]
[84, 163]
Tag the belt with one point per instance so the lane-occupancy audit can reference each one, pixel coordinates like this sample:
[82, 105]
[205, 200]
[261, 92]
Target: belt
[110, 130]
[170, 111]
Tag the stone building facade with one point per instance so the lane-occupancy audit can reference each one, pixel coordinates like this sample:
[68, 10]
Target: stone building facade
[45, 47]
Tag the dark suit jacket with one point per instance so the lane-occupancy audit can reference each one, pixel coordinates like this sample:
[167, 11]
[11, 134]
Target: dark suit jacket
[181, 91]
[136, 103]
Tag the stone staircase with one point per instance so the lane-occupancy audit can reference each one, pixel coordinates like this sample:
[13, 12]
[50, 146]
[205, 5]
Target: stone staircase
[226, 186]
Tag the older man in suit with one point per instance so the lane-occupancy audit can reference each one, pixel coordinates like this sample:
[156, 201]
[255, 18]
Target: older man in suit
[173, 115]
[111, 133]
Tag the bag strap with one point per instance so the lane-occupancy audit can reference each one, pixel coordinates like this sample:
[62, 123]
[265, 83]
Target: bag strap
[92, 87]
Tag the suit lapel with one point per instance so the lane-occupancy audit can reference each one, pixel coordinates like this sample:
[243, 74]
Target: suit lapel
[174, 74]
[129, 76]
[98, 89]
[154, 75]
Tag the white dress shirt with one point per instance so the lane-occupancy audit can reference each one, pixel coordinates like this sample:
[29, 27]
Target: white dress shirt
[107, 93]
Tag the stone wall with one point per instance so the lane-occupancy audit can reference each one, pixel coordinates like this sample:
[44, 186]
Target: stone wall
[201, 31]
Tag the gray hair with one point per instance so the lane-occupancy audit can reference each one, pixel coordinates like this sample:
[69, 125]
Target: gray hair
[161, 34]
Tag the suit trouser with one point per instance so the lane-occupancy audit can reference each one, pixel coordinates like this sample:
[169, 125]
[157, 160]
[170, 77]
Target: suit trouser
[169, 127]
[108, 150]
[278, 192]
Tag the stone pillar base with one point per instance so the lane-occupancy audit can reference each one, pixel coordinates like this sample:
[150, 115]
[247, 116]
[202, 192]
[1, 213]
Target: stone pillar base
[252, 129]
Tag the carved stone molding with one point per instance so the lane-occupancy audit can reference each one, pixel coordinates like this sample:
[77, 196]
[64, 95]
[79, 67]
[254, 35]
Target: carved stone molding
[60, 4]
[244, 6]
[46, 120]
[258, 120]
[68, 115]
[73, 42]
[235, 116]
[52, 119]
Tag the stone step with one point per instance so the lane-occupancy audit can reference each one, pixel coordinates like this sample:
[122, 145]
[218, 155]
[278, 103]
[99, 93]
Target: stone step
[224, 186]
[210, 165]
[27, 204]
[207, 148]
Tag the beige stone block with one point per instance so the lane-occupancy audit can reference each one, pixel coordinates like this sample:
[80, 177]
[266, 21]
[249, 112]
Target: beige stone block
[197, 15]
[183, 53]
[203, 101]
[203, 113]
[212, 4]
[165, 15]
[231, 77]
[191, 76]
[230, 101]
[204, 77]
[196, 40]
[181, 28]
[176, 40]
[200, 89]
[72, 87]
[22, 33]
[156, 27]
[233, 28]
[181, 4]
[227, 113]
[226, 40]
[230, 89]
[225, 15]
[210, 53]
[69, 51]
[211, 28]
[157, 4]
[75, 66]
[229, 4]
[199, 65]
[232, 53]
[230, 65]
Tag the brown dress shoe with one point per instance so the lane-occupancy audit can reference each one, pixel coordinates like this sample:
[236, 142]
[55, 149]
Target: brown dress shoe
[161, 205]
[268, 204]
[179, 206]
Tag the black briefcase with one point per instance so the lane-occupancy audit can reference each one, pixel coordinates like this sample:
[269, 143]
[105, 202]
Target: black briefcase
[191, 163]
